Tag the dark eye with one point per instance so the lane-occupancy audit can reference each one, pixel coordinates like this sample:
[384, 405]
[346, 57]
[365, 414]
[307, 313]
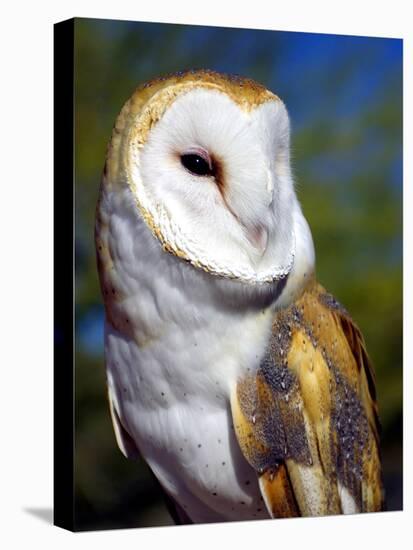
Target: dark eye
[196, 164]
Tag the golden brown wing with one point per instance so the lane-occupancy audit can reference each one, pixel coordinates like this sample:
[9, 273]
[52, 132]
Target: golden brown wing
[307, 420]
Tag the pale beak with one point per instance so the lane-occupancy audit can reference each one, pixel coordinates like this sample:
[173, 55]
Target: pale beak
[258, 237]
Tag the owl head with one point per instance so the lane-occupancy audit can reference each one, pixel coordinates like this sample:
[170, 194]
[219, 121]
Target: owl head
[205, 158]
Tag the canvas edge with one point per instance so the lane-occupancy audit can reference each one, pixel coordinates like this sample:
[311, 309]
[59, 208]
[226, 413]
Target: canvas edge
[63, 201]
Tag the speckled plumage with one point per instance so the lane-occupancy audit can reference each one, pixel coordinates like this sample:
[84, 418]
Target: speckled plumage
[220, 371]
[311, 408]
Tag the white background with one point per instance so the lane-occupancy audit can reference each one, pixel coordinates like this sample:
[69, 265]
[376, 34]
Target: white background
[26, 282]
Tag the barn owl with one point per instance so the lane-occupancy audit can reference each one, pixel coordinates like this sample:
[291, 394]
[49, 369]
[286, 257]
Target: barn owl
[242, 382]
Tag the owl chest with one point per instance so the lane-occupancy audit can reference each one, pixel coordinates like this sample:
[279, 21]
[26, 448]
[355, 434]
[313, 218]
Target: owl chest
[193, 451]
[174, 398]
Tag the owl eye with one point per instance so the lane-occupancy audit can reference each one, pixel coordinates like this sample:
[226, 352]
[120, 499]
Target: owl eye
[196, 164]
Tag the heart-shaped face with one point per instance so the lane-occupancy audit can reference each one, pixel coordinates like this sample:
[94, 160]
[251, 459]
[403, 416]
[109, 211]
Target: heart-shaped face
[207, 160]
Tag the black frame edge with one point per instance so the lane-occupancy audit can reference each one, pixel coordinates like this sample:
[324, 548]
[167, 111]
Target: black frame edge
[63, 173]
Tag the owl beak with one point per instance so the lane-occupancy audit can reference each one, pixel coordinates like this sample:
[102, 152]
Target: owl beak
[258, 237]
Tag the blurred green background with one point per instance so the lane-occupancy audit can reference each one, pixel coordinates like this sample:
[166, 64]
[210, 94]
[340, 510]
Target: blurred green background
[344, 96]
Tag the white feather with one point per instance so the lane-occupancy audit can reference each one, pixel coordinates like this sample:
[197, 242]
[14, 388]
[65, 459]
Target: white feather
[348, 504]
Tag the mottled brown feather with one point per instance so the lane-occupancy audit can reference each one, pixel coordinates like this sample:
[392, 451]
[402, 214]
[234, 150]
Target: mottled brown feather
[279, 496]
[307, 420]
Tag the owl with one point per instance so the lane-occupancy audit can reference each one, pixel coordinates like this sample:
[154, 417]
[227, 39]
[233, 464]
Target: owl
[241, 381]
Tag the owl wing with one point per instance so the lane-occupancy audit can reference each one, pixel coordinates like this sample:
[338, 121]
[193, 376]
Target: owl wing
[307, 419]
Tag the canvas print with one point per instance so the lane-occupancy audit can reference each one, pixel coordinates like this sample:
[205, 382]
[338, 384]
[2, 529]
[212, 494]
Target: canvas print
[238, 274]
